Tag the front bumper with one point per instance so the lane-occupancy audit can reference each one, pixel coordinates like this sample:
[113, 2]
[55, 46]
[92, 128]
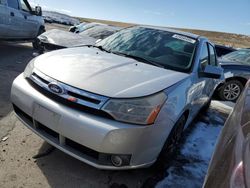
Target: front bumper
[58, 124]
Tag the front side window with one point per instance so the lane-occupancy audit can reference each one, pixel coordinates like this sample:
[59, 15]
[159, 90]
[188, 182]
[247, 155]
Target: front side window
[167, 49]
[204, 59]
[13, 4]
[24, 6]
[212, 55]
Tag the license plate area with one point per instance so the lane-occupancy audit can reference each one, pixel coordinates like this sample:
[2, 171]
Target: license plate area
[46, 117]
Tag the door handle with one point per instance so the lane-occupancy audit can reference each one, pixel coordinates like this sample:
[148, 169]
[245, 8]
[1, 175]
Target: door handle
[25, 17]
[12, 14]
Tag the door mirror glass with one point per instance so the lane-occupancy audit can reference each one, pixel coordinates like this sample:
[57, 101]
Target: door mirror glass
[210, 71]
[38, 11]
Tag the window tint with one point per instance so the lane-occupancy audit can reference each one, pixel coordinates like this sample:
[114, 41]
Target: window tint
[212, 56]
[13, 4]
[204, 56]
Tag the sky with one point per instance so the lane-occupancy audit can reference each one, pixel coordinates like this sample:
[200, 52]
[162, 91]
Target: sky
[231, 16]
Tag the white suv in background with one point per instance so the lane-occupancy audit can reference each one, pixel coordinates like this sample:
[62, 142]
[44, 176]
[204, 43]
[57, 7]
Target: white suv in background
[19, 22]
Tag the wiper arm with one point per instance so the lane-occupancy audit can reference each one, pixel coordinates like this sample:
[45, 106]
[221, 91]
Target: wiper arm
[139, 59]
[101, 48]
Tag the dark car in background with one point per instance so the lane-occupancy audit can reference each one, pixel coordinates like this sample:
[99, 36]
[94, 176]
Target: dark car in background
[58, 39]
[236, 67]
[230, 164]
[223, 50]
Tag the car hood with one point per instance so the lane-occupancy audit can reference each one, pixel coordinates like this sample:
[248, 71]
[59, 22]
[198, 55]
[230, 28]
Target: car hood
[65, 38]
[107, 74]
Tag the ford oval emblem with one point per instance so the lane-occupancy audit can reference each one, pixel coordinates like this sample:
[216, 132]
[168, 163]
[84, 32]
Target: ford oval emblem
[56, 88]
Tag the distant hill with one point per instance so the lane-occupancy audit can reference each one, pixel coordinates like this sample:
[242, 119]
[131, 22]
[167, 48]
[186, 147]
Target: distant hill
[228, 39]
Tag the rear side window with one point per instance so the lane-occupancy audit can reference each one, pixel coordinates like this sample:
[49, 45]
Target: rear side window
[13, 4]
[204, 60]
[212, 56]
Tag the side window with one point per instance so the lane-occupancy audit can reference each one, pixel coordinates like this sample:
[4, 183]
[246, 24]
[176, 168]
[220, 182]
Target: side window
[13, 4]
[204, 60]
[212, 55]
[23, 6]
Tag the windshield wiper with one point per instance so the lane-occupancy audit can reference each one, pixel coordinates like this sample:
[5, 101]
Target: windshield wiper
[139, 59]
[101, 48]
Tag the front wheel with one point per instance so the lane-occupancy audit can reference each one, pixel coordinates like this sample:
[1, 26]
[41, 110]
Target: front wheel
[173, 139]
[36, 43]
[231, 90]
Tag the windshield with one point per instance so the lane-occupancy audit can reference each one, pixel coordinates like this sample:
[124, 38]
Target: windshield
[100, 32]
[84, 27]
[241, 56]
[170, 50]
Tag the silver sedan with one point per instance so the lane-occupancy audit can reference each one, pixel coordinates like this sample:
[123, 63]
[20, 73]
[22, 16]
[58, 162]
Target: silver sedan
[122, 103]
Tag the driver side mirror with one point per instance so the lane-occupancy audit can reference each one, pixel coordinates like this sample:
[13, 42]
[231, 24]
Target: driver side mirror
[38, 11]
[210, 71]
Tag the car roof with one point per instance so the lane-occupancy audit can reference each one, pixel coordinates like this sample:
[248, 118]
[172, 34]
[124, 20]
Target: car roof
[172, 31]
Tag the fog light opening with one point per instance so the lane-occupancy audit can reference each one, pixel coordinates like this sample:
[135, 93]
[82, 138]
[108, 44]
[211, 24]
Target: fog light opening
[116, 160]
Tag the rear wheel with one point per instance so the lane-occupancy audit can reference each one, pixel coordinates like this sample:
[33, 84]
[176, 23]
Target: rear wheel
[231, 90]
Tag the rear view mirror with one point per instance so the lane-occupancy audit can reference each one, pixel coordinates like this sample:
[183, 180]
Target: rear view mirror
[38, 11]
[212, 72]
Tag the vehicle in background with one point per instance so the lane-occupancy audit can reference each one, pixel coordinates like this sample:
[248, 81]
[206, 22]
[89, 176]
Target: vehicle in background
[122, 103]
[18, 22]
[47, 19]
[74, 28]
[230, 164]
[58, 39]
[223, 50]
[83, 26]
[60, 18]
[236, 67]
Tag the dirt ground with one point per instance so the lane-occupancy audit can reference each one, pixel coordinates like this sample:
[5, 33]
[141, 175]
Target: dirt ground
[28, 161]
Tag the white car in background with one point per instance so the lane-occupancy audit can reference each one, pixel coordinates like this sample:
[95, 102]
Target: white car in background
[84, 26]
[19, 22]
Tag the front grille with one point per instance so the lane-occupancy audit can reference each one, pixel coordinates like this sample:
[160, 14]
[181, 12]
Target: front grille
[47, 130]
[81, 148]
[68, 103]
[84, 101]
[55, 137]
[25, 117]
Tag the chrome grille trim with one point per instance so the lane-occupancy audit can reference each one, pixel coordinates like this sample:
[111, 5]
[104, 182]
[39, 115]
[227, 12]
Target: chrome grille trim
[44, 81]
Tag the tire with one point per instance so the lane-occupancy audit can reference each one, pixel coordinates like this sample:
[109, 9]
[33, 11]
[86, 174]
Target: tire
[173, 139]
[231, 90]
[36, 43]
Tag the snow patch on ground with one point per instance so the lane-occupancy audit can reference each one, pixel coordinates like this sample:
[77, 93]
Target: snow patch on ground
[190, 166]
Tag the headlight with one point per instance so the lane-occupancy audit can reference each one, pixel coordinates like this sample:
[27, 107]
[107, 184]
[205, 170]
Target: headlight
[29, 69]
[139, 111]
